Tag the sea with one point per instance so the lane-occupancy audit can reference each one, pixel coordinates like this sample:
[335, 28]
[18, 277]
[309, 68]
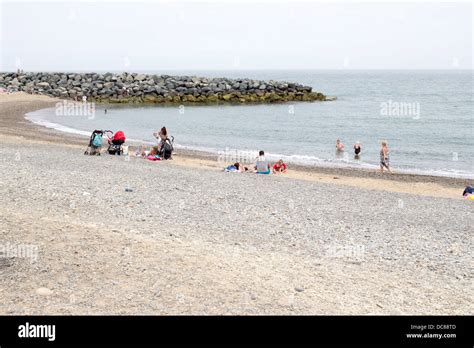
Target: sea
[425, 116]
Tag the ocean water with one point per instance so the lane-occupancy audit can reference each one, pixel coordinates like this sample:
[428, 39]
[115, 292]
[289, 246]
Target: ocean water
[426, 117]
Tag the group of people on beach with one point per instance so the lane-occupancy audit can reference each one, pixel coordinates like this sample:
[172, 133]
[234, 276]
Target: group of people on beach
[384, 155]
[164, 150]
[262, 166]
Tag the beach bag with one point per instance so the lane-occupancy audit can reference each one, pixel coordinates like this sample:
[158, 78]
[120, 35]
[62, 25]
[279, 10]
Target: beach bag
[97, 141]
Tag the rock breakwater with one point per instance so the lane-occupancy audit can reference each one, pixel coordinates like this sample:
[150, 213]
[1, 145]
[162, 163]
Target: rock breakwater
[143, 88]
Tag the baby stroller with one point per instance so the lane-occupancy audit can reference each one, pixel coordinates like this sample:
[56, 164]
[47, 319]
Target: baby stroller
[116, 142]
[96, 141]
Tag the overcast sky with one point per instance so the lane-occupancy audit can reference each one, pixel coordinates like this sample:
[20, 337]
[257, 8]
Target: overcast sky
[134, 36]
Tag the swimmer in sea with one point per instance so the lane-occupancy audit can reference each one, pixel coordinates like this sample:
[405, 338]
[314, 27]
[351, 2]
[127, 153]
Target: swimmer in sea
[357, 150]
[339, 145]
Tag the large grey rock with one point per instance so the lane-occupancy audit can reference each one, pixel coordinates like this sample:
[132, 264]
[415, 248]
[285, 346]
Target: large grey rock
[43, 84]
[140, 77]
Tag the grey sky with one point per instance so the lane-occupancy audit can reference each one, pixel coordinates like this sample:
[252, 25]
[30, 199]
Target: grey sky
[69, 36]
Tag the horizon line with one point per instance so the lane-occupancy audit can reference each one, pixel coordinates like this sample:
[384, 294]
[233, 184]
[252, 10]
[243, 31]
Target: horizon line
[247, 69]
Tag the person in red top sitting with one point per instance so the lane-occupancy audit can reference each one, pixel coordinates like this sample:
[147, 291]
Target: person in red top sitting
[279, 167]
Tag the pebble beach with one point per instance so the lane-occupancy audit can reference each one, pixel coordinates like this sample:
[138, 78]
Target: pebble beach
[110, 235]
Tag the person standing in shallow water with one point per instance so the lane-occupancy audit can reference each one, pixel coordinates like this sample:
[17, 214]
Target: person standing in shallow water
[357, 150]
[384, 158]
[339, 146]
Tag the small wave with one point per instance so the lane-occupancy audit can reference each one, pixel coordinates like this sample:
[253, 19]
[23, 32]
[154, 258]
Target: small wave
[35, 117]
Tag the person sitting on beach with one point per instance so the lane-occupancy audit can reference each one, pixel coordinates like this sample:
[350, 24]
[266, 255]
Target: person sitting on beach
[151, 154]
[158, 150]
[279, 167]
[162, 134]
[154, 155]
[154, 151]
[384, 158]
[468, 191]
[357, 149]
[141, 151]
[262, 166]
[236, 167]
[339, 146]
[165, 146]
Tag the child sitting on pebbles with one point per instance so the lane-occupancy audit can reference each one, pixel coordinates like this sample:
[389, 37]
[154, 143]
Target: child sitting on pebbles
[279, 167]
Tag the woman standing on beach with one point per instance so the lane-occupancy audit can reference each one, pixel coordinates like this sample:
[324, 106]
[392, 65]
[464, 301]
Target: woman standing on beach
[384, 159]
